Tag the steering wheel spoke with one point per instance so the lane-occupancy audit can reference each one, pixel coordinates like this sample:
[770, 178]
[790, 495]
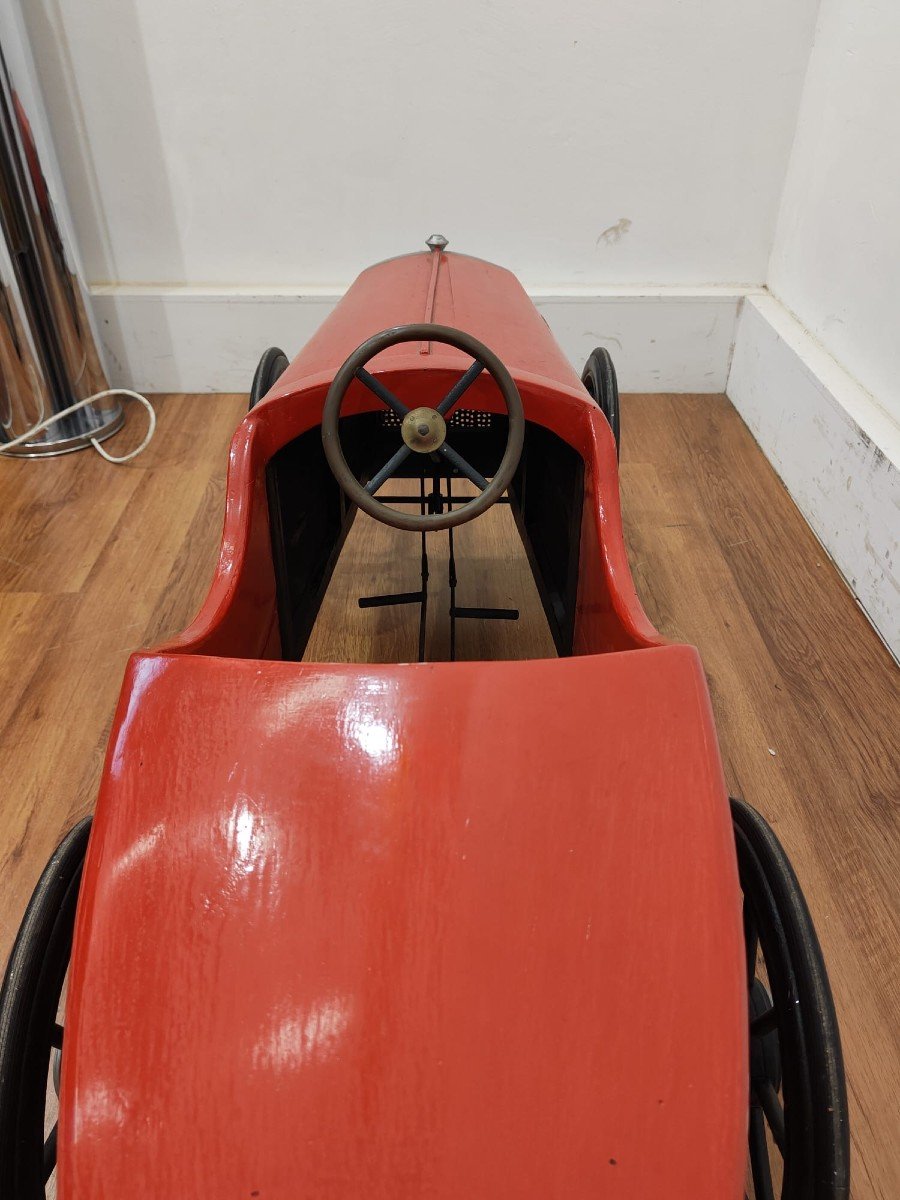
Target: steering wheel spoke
[462, 385]
[464, 468]
[388, 470]
[385, 395]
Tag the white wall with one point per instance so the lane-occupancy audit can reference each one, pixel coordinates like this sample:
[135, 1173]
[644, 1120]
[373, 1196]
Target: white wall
[286, 142]
[836, 257]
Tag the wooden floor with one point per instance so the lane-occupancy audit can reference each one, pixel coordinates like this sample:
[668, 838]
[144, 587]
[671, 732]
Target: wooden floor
[98, 560]
[378, 560]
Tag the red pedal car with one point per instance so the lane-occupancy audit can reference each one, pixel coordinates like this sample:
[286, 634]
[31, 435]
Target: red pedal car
[431, 929]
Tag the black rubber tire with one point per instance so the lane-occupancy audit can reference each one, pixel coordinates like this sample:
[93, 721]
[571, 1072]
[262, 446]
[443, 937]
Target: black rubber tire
[599, 377]
[29, 999]
[817, 1139]
[270, 368]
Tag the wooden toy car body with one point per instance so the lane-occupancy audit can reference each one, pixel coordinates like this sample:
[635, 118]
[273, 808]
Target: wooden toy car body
[433, 929]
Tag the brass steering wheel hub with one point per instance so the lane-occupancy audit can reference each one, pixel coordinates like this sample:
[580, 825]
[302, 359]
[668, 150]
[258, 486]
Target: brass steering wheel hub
[424, 430]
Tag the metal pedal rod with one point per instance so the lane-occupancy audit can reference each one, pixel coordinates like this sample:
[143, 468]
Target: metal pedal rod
[423, 611]
[387, 601]
[486, 614]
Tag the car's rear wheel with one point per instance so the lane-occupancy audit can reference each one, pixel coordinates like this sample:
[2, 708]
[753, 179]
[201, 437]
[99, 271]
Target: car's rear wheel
[798, 1130]
[269, 369]
[29, 1026]
[599, 377]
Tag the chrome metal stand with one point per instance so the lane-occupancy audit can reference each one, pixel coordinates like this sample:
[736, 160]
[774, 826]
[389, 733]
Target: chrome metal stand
[48, 357]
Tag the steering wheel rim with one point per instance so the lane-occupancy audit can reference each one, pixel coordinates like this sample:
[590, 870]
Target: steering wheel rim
[354, 367]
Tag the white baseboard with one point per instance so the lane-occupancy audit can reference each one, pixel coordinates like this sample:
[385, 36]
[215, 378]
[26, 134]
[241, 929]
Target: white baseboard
[183, 339]
[836, 450]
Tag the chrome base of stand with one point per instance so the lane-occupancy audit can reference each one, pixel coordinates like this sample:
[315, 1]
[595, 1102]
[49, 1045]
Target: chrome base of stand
[66, 445]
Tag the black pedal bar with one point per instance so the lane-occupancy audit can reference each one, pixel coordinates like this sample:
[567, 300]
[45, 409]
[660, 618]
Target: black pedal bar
[486, 614]
[386, 601]
[417, 499]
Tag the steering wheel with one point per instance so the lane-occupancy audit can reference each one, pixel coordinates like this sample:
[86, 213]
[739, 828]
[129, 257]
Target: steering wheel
[424, 430]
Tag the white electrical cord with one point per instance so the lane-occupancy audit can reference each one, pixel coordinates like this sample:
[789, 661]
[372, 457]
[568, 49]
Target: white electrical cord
[42, 425]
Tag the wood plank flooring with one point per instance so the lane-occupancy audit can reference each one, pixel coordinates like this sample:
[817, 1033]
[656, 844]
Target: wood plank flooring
[98, 560]
[377, 560]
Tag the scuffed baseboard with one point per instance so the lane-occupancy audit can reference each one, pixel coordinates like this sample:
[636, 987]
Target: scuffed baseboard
[835, 448]
[184, 339]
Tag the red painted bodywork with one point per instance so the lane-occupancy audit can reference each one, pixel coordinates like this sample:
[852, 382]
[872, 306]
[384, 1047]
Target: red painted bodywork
[419, 930]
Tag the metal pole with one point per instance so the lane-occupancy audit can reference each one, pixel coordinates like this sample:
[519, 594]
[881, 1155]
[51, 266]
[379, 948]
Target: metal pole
[48, 358]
